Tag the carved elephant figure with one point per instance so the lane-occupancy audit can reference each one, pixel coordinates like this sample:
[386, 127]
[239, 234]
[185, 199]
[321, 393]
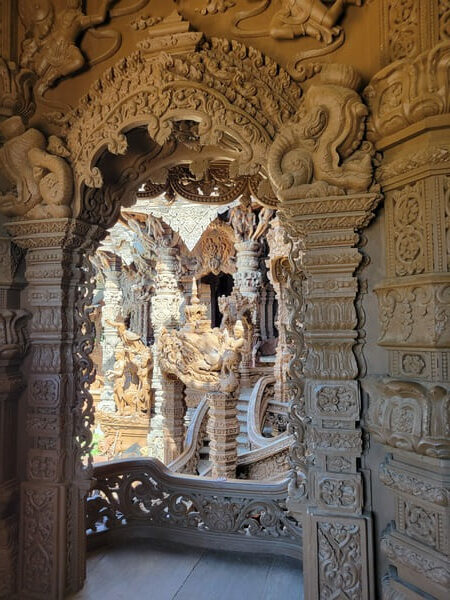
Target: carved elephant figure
[322, 152]
[34, 182]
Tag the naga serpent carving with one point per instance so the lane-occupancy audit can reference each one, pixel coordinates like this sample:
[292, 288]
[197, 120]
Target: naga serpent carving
[321, 152]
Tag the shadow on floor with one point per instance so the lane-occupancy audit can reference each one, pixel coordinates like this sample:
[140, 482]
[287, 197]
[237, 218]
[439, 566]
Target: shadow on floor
[144, 569]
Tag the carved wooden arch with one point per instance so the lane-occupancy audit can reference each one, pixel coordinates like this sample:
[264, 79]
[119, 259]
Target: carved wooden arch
[238, 97]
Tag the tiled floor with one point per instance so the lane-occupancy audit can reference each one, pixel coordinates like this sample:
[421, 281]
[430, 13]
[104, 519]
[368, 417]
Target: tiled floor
[155, 571]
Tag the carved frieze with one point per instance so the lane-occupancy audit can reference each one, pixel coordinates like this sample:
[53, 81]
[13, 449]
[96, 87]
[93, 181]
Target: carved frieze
[412, 559]
[413, 482]
[415, 313]
[408, 91]
[409, 415]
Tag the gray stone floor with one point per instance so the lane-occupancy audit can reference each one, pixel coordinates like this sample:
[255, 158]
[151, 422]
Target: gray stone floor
[155, 571]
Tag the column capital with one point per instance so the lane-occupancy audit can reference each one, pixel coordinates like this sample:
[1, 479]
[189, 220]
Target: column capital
[53, 233]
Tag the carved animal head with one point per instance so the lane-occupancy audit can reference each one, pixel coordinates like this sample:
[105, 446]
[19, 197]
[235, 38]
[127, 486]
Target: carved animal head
[320, 151]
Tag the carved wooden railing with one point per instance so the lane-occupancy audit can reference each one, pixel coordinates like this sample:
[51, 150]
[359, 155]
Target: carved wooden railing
[257, 408]
[188, 459]
[268, 458]
[142, 498]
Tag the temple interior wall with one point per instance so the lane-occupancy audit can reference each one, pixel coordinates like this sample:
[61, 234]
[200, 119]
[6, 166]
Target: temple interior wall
[368, 46]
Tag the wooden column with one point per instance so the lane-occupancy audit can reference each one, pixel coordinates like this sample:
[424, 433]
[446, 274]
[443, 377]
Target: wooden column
[58, 408]
[223, 429]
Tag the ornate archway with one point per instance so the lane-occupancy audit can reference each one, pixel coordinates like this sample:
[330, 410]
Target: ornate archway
[198, 100]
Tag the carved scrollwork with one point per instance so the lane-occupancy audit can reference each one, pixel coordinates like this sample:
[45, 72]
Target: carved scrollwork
[340, 556]
[215, 186]
[157, 90]
[407, 91]
[146, 492]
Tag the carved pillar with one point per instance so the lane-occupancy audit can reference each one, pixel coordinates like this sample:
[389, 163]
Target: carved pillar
[223, 429]
[166, 303]
[112, 297]
[406, 410]
[322, 182]
[173, 413]
[334, 523]
[12, 349]
[248, 280]
[58, 408]
[277, 269]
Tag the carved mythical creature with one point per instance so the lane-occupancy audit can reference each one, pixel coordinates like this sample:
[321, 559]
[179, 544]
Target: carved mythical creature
[201, 357]
[34, 181]
[50, 48]
[297, 18]
[322, 152]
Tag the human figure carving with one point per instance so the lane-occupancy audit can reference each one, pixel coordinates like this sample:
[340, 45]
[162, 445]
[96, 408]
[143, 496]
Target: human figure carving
[35, 181]
[297, 18]
[50, 46]
[242, 219]
[308, 17]
[129, 339]
[131, 373]
[321, 151]
[263, 223]
[118, 375]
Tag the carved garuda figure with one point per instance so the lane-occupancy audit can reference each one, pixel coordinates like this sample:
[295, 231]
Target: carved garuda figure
[321, 152]
[201, 357]
[50, 48]
[35, 180]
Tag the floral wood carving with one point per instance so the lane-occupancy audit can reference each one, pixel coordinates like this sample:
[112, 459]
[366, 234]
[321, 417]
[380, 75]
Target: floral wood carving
[146, 492]
[320, 153]
[340, 560]
[162, 89]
